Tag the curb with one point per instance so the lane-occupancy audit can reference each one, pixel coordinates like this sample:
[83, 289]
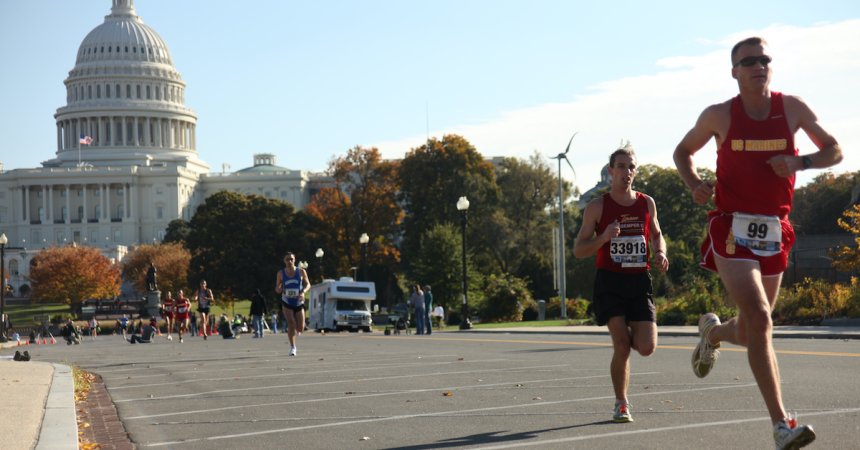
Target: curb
[59, 430]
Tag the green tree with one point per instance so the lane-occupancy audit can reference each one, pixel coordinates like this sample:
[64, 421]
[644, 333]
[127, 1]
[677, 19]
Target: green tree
[819, 204]
[73, 274]
[522, 228]
[506, 299]
[177, 231]
[680, 217]
[439, 264]
[237, 242]
[432, 177]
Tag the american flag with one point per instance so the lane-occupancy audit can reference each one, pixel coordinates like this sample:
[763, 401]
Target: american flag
[86, 140]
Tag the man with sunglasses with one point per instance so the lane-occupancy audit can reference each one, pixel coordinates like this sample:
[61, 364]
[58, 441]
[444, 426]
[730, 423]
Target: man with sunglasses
[749, 235]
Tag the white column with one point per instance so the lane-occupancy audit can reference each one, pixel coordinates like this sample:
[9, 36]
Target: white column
[59, 136]
[46, 203]
[107, 202]
[132, 191]
[86, 217]
[26, 202]
[68, 205]
[147, 135]
[135, 132]
[112, 132]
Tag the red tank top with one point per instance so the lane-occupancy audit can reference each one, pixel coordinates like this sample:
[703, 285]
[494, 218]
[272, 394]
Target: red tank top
[745, 181]
[628, 252]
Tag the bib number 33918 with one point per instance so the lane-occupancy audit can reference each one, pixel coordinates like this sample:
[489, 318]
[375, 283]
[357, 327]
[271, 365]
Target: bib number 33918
[761, 234]
[629, 251]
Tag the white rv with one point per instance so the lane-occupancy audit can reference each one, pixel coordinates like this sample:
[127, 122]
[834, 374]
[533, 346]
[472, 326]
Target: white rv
[342, 304]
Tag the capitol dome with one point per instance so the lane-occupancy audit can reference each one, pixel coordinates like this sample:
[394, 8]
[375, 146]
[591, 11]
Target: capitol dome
[123, 36]
[125, 101]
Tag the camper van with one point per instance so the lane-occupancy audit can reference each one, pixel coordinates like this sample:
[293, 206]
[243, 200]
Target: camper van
[342, 304]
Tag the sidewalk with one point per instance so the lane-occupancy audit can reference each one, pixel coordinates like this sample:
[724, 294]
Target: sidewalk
[42, 394]
[43, 398]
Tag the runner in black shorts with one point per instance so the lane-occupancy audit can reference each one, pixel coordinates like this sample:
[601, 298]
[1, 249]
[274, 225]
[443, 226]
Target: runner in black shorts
[619, 226]
[204, 301]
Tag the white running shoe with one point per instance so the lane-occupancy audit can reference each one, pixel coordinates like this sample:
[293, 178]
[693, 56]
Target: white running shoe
[169, 337]
[788, 437]
[705, 354]
[292, 351]
[181, 340]
[621, 414]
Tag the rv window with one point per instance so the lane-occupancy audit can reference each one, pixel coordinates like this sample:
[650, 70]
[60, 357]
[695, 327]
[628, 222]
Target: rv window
[353, 289]
[351, 305]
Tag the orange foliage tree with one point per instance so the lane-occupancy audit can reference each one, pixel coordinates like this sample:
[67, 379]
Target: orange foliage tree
[364, 200]
[847, 258]
[72, 274]
[171, 261]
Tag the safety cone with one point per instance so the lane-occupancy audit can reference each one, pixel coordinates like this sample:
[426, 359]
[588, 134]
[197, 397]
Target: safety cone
[19, 343]
[53, 341]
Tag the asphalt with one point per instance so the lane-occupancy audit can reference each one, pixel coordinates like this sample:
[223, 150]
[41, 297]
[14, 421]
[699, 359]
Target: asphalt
[40, 395]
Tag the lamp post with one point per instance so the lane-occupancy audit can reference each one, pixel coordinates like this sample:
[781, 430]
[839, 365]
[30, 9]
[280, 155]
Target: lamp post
[463, 206]
[363, 240]
[3, 242]
[319, 254]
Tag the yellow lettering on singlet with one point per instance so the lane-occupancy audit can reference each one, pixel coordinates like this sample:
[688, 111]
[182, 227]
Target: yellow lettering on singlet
[766, 145]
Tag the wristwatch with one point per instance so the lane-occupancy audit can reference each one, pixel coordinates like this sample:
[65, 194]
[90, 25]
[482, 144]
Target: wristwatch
[806, 162]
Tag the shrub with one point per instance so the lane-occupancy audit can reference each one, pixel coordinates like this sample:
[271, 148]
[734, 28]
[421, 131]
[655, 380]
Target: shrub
[505, 299]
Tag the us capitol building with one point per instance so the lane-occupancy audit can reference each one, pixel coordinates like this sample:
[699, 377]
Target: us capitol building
[126, 161]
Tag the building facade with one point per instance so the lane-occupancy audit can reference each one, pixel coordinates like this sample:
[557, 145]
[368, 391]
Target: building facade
[126, 160]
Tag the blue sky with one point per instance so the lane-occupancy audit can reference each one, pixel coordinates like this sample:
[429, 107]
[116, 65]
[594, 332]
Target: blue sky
[308, 80]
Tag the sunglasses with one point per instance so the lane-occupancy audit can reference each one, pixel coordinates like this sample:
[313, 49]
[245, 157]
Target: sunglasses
[750, 61]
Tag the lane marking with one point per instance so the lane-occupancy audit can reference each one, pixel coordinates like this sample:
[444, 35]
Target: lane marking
[412, 416]
[520, 444]
[293, 372]
[381, 394]
[320, 383]
[609, 344]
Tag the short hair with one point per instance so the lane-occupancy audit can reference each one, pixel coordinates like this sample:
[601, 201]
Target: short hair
[288, 254]
[755, 40]
[625, 149]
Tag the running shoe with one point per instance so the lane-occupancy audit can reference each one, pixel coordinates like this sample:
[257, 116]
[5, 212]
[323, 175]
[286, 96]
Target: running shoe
[621, 414]
[705, 354]
[169, 337]
[181, 340]
[292, 351]
[788, 437]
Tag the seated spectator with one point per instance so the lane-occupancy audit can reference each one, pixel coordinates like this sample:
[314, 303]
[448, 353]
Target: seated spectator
[225, 328]
[438, 315]
[145, 336]
[70, 333]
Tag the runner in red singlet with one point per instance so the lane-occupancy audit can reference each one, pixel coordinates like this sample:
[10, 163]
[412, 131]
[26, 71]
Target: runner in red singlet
[749, 235]
[618, 227]
[181, 310]
[167, 313]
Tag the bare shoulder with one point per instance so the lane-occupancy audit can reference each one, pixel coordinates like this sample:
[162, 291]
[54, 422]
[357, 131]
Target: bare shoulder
[595, 206]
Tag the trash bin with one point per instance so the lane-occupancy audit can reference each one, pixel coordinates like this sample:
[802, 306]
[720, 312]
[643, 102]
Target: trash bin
[541, 309]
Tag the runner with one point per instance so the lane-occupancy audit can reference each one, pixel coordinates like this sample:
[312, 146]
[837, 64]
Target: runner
[618, 227]
[749, 235]
[181, 309]
[292, 283]
[167, 308]
[204, 304]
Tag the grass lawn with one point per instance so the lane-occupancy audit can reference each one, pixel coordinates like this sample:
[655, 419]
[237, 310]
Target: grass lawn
[22, 315]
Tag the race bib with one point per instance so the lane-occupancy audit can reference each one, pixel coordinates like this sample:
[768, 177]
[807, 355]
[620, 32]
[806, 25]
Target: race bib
[629, 251]
[761, 234]
[291, 293]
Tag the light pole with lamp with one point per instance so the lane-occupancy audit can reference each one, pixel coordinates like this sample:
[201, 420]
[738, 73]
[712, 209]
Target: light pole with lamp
[319, 254]
[363, 240]
[3, 241]
[463, 206]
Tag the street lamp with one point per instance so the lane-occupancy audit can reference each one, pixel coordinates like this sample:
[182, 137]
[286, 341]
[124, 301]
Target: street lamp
[463, 206]
[3, 242]
[363, 240]
[319, 254]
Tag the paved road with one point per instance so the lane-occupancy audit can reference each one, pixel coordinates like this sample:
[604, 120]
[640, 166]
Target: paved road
[457, 390]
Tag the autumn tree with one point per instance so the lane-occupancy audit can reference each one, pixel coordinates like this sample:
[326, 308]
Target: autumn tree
[171, 260]
[847, 258]
[237, 242]
[432, 177]
[73, 274]
[362, 200]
